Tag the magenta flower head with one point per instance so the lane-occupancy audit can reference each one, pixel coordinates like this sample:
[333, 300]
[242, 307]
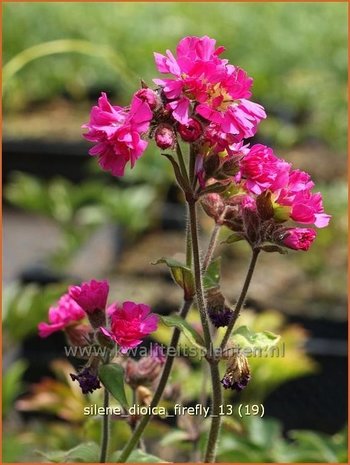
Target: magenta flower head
[220, 90]
[263, 170]
[65, 314]
[92, 298]
[118, 133]
[299, 238]
[129, 324]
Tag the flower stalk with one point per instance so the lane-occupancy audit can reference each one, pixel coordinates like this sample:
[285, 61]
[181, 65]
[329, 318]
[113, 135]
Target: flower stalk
[105, 428]
[241, 299]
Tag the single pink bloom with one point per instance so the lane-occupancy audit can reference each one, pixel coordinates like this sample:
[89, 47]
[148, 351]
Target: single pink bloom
[91, 296]
[118, 133]
[307, 208]
[66, 313]
[299, 238]
[129, 324]
[263, 170]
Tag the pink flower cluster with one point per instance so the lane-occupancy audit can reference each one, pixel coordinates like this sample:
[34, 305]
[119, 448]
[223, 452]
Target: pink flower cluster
[126, 324]
[206, 98]
[206, 101]
[262, 171]
[207, 86]
[264, 193]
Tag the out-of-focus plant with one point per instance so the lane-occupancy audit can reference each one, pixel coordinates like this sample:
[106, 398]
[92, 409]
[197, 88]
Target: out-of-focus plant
[12, 385]
[206, 104]
[24, 306]
[288, 359]
[79, 209]
[261, 440]
[60, 397]
[309, 58]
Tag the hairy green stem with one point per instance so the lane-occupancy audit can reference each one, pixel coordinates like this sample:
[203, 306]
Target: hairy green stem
[241, 299]
[134, 439]
[105, 428]
[214, 431]
[211, 247]
[214, 369]
[188, 241]
[198, 277]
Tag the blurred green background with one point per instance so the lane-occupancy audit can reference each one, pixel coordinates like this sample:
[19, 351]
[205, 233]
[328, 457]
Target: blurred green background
[296, 54]
[57, 58]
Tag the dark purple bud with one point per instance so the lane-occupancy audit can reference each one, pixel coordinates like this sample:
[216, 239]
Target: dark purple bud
[87, 380]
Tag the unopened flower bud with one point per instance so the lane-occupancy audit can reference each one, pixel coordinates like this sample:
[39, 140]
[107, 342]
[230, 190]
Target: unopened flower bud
[251, 220]
[264, 205]
[146, 370]
[229, 167]
[191, 131]
[78, 335]
[149, 96]
[237, 374]
[211, 164]
[213, 205]
[165, 137]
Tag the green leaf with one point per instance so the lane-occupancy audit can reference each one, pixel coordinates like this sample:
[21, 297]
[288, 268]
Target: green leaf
[176, 436]
[318, 442]
[273, 248]
[87, 452]
[243, 337]
[188, 331]
[181, 274]
[138, 456]
[183, 183]
[112, 377]
[212, 276]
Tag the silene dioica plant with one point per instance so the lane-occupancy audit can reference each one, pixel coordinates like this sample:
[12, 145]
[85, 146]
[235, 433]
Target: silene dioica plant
[200, 117]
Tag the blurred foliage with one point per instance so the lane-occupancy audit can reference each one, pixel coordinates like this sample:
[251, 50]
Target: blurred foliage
[288, 360]
[23, 307]
[12, 385]
[61, 397]
[297, 54]
[261, 440]
[79, 209]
